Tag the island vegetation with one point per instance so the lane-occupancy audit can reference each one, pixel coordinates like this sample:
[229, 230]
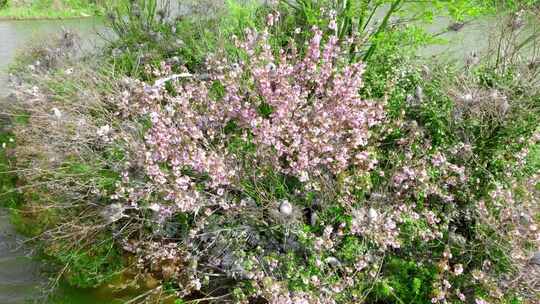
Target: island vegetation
[282, 152]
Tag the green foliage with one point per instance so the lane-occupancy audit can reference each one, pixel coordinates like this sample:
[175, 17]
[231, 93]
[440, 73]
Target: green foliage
[357, 18]
[273, 186]
[351, 248]
[514, 4]
[9, 197]
[51, 9]
[436, 111]
[88, 266]
[406, 281]
[533, 160]
[104, 179]
[495, 139]
[145, 37]
[494, 249]
[391, 59]
[33, 224]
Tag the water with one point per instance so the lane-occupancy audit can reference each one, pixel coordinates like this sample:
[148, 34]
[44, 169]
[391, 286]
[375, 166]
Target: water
[19, 274]
[16, 35]
[479, 36]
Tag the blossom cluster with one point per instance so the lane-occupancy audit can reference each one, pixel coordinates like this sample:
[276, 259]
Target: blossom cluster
[298, 112]
[317, 122]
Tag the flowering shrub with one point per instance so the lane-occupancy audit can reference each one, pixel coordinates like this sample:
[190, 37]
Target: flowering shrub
[216, 152]
[302, 113]
[317, 119]
[299, 114]
[270, 179]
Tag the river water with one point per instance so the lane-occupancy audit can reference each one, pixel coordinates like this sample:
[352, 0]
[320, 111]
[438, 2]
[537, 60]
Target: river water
[16, 35]
[19, 274]
[20, 277]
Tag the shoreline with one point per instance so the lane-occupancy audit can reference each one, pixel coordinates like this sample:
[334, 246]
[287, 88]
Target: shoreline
[33, 12]
[39, 17]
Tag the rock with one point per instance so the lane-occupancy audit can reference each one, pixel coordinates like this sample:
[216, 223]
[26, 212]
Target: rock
[535, 260]
[56, 113]
[313, 219]
[457, 239]
[285, 208]
[292, 244]
[332, 261]
[419, 94]
[456, 26]
[317, 203]
[410, 99]
[113, 213]
[372, 215]
[525, 219]
[467, 98]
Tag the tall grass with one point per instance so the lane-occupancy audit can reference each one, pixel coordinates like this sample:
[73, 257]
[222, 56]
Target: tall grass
[149, 31]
